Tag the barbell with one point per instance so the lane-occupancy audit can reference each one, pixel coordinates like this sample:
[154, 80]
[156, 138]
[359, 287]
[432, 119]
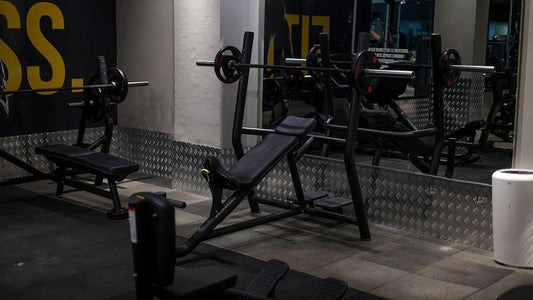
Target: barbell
[449, 64]
[118, 86]
[364, 69]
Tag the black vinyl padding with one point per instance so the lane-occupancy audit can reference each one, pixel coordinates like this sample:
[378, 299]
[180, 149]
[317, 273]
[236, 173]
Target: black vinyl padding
[330, 288]
[107, 164]
[296, 126]
[95, 162]
[62, 150]
[257, 162]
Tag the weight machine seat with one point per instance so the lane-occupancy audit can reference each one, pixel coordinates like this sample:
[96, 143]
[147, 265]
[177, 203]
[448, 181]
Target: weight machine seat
[94, 162]
[257, 162]
[296, 126]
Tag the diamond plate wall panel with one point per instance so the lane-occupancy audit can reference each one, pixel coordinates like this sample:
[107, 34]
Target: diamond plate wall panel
[153, 151]
[439, 207]
[23, 147]
[417, 110]
[463, 102]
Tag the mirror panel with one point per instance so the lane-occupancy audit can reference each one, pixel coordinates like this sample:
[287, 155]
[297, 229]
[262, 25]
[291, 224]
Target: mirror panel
[478, 110]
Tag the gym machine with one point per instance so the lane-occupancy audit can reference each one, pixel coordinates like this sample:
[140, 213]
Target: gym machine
[152, 215]
[105, 89]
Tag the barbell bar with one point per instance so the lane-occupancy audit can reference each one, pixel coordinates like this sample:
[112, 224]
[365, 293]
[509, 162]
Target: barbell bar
[450, 65]
[365, 68]
[110, 85]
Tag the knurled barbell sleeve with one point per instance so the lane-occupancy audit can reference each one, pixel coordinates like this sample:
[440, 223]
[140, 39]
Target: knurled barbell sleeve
[295, 61]
[205, 63]
[389, 73]
[472, 68]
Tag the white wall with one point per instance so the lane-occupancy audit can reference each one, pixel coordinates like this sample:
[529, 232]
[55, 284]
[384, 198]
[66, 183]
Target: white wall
[197, 90]
[463, 26]
[145, 52]
[160, 41]
[238, 16]
[523, 156]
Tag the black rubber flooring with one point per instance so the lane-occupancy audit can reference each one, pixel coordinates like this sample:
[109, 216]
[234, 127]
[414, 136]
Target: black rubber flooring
[52, 249]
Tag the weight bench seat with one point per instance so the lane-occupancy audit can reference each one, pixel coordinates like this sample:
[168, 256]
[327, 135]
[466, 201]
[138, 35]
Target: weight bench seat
[100, 163]
[257, 162]
[103, 165]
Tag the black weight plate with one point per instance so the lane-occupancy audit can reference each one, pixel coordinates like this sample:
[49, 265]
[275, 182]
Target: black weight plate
[364, 60]
[272, 93]
[295, 78]
[93, 103]
[448, 58]
[120, 90]
[225, 64]
[313, 57]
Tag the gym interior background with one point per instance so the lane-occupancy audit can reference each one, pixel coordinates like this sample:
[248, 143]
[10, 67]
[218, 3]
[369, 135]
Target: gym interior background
[186, 114]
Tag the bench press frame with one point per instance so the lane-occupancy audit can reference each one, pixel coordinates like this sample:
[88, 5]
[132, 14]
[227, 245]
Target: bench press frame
[60, 174]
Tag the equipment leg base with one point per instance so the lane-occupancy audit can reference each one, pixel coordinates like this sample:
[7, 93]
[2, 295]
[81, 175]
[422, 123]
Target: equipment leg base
[118, 215]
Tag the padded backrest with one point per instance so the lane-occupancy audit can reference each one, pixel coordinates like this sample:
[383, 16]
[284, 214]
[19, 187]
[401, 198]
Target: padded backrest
[296, 126]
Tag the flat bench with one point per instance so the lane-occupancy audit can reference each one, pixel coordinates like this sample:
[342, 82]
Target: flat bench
[108, 166]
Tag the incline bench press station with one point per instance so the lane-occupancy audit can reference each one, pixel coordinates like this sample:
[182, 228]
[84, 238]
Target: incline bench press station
[291, 138]
[106, 89]
[385, 131]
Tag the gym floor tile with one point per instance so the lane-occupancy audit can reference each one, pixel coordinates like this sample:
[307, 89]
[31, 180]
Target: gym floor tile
[359, 273]
[471, 274]
[34, 271]
[187, 198]
[416, 287]
[302, 259]
[71, 287]
[517, 278]
[249, 242]
[408, 254]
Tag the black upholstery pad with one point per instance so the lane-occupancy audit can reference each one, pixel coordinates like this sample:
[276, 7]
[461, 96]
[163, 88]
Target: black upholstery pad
[296, 126]
[62, 150]
[257, 162]
[107, 164]
[96, 162]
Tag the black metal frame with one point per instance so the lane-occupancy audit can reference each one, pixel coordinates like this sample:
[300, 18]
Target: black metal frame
[220, 210]
[59, 175]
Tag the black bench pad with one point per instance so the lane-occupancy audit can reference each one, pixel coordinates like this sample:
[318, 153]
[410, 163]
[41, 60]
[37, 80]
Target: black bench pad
[62, 150]
[296, 126]
[95, 162]
[257, 162]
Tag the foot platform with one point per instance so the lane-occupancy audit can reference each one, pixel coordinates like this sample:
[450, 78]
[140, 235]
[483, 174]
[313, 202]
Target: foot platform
[333, 204]
[330, 289]
[264, 283]
[310, 196]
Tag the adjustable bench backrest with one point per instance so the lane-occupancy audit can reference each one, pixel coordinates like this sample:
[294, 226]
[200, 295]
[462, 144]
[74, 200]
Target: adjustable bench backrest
[264, 156]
